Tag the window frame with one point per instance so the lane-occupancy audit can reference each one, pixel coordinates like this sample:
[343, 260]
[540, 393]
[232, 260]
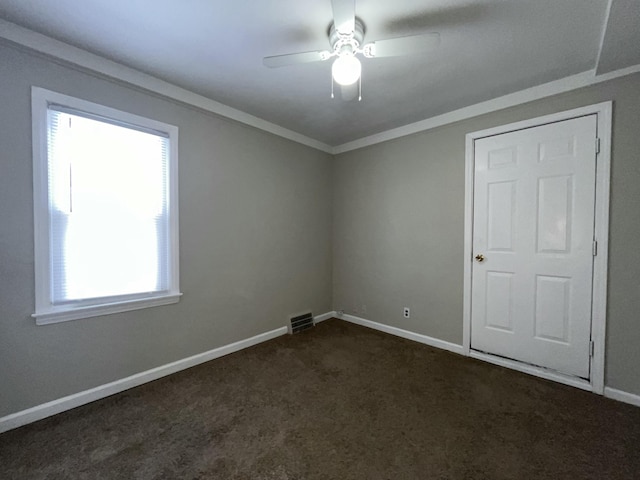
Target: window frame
[45, 311]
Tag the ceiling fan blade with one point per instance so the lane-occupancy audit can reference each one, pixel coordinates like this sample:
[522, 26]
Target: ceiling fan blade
[410, 45]
[344, 15]
[294, 59]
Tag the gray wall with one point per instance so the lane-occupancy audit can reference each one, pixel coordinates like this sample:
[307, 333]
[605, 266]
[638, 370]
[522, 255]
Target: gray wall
[255, 233]
[256, 216]
[399, 226]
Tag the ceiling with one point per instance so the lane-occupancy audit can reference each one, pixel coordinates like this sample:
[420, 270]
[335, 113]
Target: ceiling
[489, 48]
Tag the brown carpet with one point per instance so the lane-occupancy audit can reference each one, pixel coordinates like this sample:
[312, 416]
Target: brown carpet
[336, 402]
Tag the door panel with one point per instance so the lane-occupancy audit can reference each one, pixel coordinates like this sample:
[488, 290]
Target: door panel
[554, 214]
[552, 308]
[534, 194]
[499, 313]
[500, 210]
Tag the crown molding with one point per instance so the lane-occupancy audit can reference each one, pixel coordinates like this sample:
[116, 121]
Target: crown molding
[555, 87]
[76, 56]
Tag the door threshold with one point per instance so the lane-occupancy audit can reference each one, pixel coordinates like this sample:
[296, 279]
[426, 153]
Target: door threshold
[577, 382]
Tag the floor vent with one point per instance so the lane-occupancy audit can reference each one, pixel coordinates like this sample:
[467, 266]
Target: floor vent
[301, 322]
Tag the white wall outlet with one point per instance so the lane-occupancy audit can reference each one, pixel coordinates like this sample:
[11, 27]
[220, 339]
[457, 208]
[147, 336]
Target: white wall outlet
[406, 312]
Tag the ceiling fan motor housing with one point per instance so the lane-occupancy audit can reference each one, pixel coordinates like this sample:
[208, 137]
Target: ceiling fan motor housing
[346, 43]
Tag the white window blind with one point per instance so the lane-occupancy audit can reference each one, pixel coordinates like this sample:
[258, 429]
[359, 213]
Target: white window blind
[107, 190]
[108, 208]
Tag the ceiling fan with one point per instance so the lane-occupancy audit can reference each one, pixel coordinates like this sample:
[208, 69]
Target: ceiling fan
[346, 37]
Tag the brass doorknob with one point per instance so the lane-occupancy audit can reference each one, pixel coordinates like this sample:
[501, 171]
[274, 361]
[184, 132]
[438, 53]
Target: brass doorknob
[480, 258]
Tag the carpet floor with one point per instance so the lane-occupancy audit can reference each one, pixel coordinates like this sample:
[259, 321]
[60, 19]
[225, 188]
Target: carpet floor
[340, 402]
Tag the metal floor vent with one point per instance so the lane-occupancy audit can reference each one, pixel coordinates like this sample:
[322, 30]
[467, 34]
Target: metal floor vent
[301, 322]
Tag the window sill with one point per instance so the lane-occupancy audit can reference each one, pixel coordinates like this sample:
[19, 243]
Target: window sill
[66, 313]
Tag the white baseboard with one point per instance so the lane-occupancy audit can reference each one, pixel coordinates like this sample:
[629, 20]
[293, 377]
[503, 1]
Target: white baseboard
[622, 396]
[609, 392]
[416, 337]
[323, 317]
[48, 409]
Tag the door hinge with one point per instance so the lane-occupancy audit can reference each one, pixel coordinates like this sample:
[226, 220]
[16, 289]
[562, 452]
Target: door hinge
[591, 348]
[595, 248]
[597, 145]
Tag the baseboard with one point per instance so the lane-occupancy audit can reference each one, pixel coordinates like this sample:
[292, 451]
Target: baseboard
[48, 409]
[622, 396]
[54, 407]
[323, 317]
[609, 392]
[416, 337]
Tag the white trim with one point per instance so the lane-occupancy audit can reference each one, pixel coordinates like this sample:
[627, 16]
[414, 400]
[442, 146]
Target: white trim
[76, 56]
[601, 230]
[323, 317]
[533, 370]
[609, 392]
[623, 72]
[46, 312]
[65, 314]
[416, 337]
[555, 87]
[48, 409]
[468, 245]
[622, 396]
[601, 233]
[598, 108]
[96, 63]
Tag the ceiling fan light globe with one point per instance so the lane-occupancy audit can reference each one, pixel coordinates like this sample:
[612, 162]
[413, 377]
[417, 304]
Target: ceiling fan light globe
[346, 70]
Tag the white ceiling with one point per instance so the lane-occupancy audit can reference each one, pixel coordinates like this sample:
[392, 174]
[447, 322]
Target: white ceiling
[488, 48]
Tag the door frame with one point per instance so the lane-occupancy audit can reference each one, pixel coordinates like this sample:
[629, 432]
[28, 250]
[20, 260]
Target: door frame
[603, 112]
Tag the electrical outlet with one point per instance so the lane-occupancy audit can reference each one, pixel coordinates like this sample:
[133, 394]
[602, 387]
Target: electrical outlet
[406, 312]
[363, 310]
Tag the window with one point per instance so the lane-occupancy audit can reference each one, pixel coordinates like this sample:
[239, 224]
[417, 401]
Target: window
[105, 208]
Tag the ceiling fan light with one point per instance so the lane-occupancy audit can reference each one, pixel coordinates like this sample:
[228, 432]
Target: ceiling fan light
[346, 70]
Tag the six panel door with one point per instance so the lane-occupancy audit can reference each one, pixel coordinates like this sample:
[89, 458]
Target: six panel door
[534, 196]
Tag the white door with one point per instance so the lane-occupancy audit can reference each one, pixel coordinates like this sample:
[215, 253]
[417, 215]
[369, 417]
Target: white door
[534, 195]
